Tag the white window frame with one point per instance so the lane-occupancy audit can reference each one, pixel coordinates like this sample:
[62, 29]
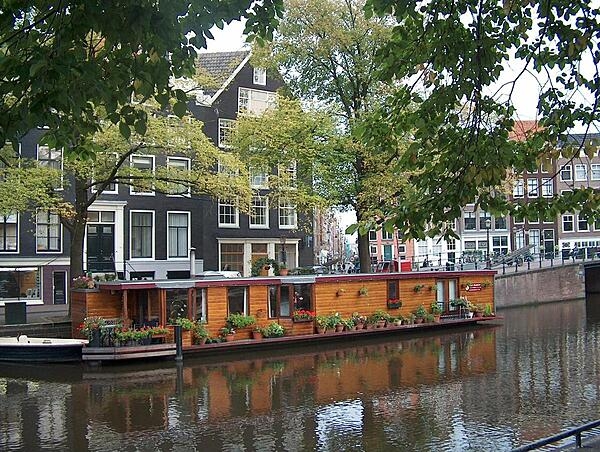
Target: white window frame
[581, 220]
[259, 76]
[60, 233]
[264, 207]
[533, 187]
[568, 218]
[287, 210]
[226, 127]
[223, 204]
[4, 220]
[581, 173]
[188, 232]
[52, 159]
[518, 188]
[595, 171]
[246, 99]
[184, 167]
[152, 158]
[566, 173]
[547, 187]
[152, 239]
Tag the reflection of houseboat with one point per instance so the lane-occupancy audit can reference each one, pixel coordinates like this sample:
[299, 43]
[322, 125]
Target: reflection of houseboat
[274, 300]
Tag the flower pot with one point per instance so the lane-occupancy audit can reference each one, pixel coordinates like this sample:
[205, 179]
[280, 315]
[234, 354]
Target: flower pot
[339, 328]
[320, 330]
[229, 337]
[257, 335]
[283, 271]
[95, 339]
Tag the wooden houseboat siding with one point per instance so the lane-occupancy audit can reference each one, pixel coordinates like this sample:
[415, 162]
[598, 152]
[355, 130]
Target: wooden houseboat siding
[343, 294]
[93, 303]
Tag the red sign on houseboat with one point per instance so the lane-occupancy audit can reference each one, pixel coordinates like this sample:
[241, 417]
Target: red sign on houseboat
[473, 287]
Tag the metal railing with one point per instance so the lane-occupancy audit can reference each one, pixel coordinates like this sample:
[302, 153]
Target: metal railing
[576, 432]
[502, 263]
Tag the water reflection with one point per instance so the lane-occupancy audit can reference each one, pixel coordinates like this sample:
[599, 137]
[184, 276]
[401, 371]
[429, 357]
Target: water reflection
[481, 388]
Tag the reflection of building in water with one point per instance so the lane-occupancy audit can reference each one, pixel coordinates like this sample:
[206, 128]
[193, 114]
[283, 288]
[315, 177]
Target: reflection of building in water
[268, 400]
[44, 407]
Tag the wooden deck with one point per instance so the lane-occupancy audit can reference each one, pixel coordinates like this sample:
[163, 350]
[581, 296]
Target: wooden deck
[307, 339]
[128, 353]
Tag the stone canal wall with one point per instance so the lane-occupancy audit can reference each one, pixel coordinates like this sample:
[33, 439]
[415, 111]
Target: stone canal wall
[565, 282]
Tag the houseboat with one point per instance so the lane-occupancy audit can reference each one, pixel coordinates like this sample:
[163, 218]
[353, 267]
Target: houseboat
[294, 308]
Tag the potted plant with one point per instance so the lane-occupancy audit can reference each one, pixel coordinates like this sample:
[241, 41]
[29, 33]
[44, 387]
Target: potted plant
[227, 333]
[462, 304]
[321, 322]
[379, 318]
[91, 328]
[257, 333]
[273, 329]
[334, 322]
[477, 310]
[487, 310]
[199, 333]
[283, 270]
[436, 311]
[341, 291]
[363, 291]
[420, 314]
[418, 288]
[262, 265]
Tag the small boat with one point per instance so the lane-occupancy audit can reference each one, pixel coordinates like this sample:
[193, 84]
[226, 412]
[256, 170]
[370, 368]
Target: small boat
[40, 350]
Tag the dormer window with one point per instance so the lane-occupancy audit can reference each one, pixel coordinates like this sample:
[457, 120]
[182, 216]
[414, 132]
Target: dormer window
[260, 76]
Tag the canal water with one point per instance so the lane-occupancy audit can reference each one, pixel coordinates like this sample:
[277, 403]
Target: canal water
[491, 387]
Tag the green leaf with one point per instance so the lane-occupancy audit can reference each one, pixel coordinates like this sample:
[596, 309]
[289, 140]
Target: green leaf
[124, 130]
[180, 109]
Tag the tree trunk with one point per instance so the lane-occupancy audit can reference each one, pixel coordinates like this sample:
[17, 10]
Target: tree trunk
[364, 256]
[76, 253]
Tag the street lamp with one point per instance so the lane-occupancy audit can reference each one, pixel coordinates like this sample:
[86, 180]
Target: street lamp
[488, 225]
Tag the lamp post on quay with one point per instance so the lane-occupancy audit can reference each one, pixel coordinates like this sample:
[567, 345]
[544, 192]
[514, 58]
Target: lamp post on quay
[488, 225]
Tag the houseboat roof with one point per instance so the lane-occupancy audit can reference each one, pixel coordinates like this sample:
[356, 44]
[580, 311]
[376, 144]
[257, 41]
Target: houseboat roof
[278, 280]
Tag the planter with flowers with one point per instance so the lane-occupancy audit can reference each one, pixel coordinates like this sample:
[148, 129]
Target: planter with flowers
[303, 315]
[227, 334]
[91, 327]
[257, 333]
[394, 303]
[83, 282]
[273, 329]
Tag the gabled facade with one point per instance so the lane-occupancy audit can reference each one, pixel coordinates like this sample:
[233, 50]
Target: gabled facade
[144, 234]
[233, 240]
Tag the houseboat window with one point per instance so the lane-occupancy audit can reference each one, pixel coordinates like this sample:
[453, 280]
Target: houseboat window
[201, 311]
[177, 305]
[393, 290]
[284, 301]
[273, 301]
[237, 301]
[302, 296]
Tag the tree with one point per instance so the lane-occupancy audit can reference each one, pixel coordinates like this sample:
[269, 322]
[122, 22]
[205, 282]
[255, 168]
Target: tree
[447, 60]
[27, 186]
[326, 51]
[67, 65]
